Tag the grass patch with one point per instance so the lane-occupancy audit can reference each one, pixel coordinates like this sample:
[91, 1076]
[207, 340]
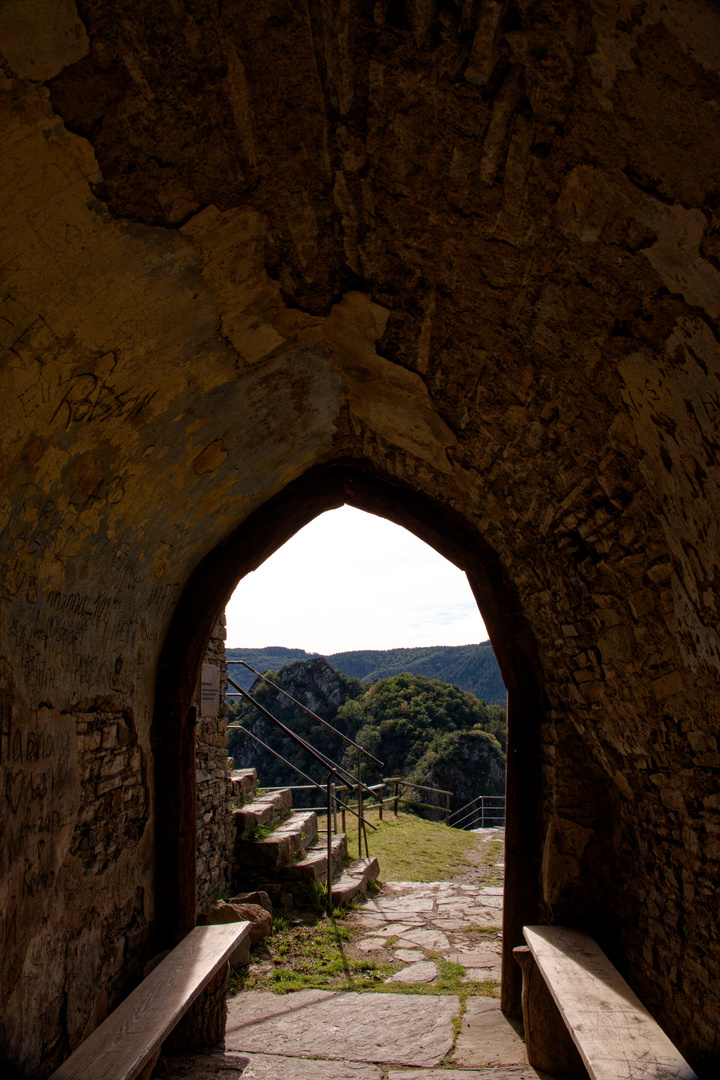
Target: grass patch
[449, 981]
[409, 848]
[491, 857]
[493, 852]
[310, 955]
[258, 832]
[441, 986]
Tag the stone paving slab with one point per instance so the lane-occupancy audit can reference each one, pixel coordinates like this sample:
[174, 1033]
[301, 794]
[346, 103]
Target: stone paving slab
[487, 1037]
[479, 975]
[371, 944]
[232, 1066]
[427, 939]
[388, 918]
[424, 972]
[408, 956]
[488, 917]
[473, 957]
[504, 1072]
[274, 1067]
[393, 930]
[398, 1029]
[422, 920]
[409, 905]
[450, 924]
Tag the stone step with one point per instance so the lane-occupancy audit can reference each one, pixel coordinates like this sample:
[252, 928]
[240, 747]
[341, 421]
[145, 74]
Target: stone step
[244, 782]
[284, 844]
[313, 866]
[354, 881]
[263, 810]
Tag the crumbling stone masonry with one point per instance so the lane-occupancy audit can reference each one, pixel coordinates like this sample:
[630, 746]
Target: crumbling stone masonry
[215, 828]
[456, 264]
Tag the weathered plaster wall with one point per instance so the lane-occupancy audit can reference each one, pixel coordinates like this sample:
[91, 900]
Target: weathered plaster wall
[472, 249]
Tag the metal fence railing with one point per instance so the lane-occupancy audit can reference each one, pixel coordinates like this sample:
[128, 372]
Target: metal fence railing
[483, 812]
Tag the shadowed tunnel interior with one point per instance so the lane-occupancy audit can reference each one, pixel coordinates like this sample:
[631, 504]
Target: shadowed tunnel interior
[457, 265]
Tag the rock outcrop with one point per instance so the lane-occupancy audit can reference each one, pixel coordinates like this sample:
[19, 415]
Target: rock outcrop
[467, 763]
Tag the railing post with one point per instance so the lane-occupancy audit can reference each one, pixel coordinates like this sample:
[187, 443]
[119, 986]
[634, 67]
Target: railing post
[342, 810]
[397, 797]
[382, 797]
[334, 803]
[360, 803]
[482, 811]
[447, 809]
[329, 905]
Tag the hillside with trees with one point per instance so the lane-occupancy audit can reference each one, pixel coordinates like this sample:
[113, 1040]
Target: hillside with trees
[471, 667]
[321, 689]
[423, 729]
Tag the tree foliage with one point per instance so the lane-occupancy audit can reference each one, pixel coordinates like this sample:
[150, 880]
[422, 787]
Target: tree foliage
[317, 686]
[471, 667]
[418, 727]
[399, 719]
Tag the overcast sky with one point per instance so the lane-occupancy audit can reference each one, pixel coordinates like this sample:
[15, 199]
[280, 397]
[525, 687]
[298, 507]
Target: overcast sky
[350, 580]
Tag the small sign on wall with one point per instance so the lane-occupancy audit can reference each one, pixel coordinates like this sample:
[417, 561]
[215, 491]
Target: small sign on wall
[210, 690]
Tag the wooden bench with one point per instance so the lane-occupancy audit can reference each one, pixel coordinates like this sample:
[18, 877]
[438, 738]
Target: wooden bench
[121, 1047]
[580, 1014]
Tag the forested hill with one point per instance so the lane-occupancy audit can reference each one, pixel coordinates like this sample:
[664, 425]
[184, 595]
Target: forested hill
[471, 667]
[422, 729]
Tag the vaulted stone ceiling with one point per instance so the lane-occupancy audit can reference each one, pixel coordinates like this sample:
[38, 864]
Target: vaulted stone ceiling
[471, 250]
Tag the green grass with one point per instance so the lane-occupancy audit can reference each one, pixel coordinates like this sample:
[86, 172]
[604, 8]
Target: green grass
[409, 848]
[311, 952]
[493, 852]
[258, 832]
[312, 955]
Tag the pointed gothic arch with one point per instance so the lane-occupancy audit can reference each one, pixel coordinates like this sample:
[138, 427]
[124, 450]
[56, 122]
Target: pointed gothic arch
[204, 598]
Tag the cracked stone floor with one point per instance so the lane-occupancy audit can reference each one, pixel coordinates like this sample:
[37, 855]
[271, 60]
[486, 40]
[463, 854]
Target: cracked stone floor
[344, 1035]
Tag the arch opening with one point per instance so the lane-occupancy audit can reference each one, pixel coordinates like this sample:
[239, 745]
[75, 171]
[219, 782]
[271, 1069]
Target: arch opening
[353, 582]
[204, 598]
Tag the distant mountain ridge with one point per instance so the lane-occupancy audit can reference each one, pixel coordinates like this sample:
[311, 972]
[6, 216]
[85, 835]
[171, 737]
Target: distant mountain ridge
[472, 668]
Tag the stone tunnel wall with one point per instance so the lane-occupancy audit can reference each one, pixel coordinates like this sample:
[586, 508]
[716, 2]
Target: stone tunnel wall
[472, 251]
[215, 826]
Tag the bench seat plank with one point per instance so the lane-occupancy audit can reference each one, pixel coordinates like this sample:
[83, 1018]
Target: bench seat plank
[615, 1034]
[121, 1046]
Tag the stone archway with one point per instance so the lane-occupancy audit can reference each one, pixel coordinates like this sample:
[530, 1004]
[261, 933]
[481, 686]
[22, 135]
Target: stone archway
[205, 596]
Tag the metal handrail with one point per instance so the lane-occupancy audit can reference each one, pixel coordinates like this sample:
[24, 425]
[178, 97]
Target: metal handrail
[307, 711]
[418, 787]
[319, 757]
[375, 789]
[330, 796]
[459, 822]
[360, 787]
[313, 783]
[472, 803]
[397, 797]
[325, 761]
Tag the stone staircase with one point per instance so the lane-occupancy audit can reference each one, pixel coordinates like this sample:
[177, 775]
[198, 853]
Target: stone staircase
[278, 850]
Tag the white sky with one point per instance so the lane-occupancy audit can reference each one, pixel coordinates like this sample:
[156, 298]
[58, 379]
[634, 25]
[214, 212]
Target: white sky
[350, 580]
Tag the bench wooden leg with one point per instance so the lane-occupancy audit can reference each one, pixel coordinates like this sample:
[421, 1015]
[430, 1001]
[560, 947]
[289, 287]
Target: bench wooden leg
[548, 1043]
[203, 1025]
